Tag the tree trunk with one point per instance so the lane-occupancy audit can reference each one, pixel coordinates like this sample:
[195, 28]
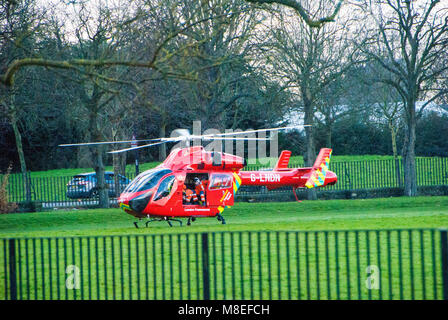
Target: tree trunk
[410, 183]
[116, 164]
[329, 136]
[393, 134]
[119, 163]
[310, 154]
[162, 147]
[97, 152]
[18, 137]
[101, 181]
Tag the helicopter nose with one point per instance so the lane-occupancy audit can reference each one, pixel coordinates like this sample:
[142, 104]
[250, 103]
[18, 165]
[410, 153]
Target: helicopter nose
[123, 203]
[140, 202]
[330, 178]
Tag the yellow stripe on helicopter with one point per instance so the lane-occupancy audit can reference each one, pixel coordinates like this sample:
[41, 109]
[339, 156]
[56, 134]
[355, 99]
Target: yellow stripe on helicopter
[317, 177]
[236, 186]
[236, 182]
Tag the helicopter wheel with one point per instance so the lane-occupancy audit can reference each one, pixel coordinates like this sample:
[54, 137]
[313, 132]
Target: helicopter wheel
[189, 222]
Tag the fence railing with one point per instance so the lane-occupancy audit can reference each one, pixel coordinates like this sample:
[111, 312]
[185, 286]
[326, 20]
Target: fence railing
[54, 191]
[352, 175]
[376, 174]
[370, 264]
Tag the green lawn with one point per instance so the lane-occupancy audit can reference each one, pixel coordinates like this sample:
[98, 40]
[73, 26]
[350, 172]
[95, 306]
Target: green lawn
[420, 212]
[265, 258]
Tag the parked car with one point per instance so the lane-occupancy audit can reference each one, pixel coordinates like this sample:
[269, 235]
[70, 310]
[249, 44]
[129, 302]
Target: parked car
[84, 185]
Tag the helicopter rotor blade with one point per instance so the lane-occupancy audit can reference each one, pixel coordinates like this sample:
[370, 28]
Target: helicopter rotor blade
[140, 147]
[255, 131]
[235, 138]
[105, 142]
[207, 137]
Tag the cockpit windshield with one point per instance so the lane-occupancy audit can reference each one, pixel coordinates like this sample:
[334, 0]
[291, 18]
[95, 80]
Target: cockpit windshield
[146, 180]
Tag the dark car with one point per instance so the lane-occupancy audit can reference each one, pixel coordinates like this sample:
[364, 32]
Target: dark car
[84, 185]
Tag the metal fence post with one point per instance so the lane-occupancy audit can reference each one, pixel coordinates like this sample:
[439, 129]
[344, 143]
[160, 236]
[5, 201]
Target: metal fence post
[205, 267]
[444, 249]
[12, 270]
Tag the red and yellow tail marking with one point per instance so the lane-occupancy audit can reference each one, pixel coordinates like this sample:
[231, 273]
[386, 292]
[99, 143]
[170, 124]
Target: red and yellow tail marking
[236, 186]
[318, 174]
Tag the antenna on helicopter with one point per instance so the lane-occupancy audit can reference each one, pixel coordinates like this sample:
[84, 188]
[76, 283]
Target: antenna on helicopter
[187, 138]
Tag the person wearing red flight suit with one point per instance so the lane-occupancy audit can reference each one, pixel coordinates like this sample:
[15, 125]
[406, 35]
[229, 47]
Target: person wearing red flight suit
[200, 192]
[187, 195]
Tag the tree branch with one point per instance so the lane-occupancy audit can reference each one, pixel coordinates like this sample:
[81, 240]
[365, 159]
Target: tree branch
[303, 13]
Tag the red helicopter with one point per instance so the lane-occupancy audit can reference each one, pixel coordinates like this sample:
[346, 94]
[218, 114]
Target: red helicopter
[193, 182]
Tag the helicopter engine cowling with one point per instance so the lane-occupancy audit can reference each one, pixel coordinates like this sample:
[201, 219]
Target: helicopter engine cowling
[220, 161]
[197, 158]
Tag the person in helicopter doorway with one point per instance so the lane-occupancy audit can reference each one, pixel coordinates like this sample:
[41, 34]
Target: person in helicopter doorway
[187, 195]
[200, 192]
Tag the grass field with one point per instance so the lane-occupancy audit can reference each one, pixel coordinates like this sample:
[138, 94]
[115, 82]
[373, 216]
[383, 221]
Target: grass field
[420, 212]
[260, 260]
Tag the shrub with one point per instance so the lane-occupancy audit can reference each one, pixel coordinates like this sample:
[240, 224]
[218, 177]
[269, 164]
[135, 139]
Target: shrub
[5, 206]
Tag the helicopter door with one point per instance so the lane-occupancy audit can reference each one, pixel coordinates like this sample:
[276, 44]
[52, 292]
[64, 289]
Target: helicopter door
[220, 190]
[190, 188]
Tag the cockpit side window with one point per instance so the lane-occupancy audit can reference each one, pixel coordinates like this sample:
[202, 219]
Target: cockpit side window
[165, 188]
[146, 180]
[220, 181]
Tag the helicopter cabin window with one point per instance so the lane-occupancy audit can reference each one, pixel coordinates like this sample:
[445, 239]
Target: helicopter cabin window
[165, 188]
[220, 181]
[195, 189]
[147, 180]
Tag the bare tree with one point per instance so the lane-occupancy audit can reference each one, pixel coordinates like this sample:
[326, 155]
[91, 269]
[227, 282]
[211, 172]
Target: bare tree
[330, 107]
[406, 41]
[220, 58]
[307, 60]
[20, 22]
[104, 49]
[387, 108]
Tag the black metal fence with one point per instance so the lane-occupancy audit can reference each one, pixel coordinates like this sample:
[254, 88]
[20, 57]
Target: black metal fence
[54, 192]
[352, 175]
[380, 264]
[377, 174]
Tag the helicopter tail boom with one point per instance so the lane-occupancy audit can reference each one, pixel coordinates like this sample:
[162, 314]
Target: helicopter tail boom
[281, 176]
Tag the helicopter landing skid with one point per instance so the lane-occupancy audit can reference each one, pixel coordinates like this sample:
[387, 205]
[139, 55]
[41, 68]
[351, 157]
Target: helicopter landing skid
[190, 220]
[221, 218]
[170, 219]
[161, 219]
